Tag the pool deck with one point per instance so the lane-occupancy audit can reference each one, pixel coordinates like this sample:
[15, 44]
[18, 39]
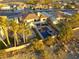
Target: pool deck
[44, 33]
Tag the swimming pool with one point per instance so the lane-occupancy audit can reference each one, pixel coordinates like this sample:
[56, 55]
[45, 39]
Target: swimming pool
[46, 32]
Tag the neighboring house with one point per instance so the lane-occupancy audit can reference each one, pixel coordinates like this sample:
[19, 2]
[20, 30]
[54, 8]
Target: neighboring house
[30, 6]
[17, 5]
[22, 6]
[38, 6]
[43, 6]
[5, 7]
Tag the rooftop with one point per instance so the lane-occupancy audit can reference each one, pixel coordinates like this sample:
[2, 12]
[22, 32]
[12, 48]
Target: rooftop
[31, 16]
[35, 16]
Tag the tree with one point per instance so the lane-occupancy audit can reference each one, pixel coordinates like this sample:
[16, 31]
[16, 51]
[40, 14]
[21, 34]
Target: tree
[70, 6]
[32, 1]
[65, 33]
[50, 41]
[3, 42]
[57, 5]
[47, 54]
[46, 1]
[15, 27]
[75, 20]
[38, 45]
[4, 25]
[24, 30]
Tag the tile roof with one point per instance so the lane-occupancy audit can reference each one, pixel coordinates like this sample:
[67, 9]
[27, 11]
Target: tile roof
[43, 16]
[35, 16]
[31, 16]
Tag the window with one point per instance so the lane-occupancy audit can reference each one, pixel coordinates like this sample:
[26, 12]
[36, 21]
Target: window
[43, 19]
[35, 20]
[38, 19]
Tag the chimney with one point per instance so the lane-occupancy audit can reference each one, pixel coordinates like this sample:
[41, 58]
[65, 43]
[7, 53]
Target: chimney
[39, 14]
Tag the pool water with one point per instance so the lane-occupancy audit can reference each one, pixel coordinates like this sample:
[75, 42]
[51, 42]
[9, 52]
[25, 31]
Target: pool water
[46, 33]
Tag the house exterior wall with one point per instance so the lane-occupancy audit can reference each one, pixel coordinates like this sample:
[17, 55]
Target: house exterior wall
[5, 8]
[29, 20]
[1, 32]
[43, 19]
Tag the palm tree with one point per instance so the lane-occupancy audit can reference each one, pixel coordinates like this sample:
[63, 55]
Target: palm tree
[24, 30]
[15, 27]
[4, 25]
[3, 42]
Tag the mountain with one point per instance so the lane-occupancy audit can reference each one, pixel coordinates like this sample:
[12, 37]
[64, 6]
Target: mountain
[27, 0]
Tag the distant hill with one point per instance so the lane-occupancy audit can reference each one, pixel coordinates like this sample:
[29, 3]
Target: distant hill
[13, 1]
[27, 0]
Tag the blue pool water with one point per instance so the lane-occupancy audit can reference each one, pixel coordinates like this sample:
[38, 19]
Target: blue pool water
[46, 33]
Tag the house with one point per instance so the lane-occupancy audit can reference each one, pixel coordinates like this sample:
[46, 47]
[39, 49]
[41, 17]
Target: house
[35, 17]
[42, 17]
[31, 17]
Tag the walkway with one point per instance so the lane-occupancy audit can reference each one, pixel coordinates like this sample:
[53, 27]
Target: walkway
[76, 28]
